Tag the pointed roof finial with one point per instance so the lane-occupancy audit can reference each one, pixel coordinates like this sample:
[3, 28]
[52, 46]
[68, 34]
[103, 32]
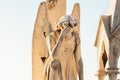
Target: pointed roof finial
[114, 11]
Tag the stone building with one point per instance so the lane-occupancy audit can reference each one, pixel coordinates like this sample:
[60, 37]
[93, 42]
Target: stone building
[107, 42]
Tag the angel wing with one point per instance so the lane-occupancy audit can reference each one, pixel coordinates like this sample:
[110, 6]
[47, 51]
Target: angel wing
[39, 47]
[76, 15]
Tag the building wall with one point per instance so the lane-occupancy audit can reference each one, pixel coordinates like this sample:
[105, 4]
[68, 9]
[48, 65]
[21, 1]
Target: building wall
[103, 39]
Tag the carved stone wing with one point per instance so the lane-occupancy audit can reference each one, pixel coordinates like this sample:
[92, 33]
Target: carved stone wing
[39, 47]
[76, 15]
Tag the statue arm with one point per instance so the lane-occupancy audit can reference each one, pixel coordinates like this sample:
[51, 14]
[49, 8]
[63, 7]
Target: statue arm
[59, 42]
[50, 42]
[78, 59]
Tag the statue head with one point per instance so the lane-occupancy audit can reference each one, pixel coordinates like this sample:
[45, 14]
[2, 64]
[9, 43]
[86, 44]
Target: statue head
[67, 21]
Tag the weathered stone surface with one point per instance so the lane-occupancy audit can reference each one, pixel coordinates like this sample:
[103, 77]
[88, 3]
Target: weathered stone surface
[76, 15]
[108, 42]
[39, 47]
[56, 12]
[49, 13]
[44, 21]
[114, 10]
[66, 50]
[102, 44]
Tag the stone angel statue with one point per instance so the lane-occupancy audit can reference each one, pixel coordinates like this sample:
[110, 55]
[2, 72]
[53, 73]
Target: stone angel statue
[47, 35]
[64, 61]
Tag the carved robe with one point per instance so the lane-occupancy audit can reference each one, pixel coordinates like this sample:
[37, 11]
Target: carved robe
[63, 66]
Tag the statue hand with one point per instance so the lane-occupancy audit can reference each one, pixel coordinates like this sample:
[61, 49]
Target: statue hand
[64, 32]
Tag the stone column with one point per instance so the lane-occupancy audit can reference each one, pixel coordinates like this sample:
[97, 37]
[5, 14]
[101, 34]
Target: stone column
[113, 58]
[112, 73]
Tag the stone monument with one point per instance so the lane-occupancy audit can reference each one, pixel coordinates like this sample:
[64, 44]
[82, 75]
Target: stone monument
[48, 63]
[108, 42]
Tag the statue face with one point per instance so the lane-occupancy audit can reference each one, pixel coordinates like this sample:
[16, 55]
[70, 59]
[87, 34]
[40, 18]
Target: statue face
[67, 21]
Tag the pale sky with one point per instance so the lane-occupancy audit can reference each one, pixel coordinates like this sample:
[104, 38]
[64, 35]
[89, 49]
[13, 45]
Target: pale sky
[17, 19]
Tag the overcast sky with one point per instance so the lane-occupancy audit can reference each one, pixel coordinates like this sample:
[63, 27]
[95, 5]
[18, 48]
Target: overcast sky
[17, 19]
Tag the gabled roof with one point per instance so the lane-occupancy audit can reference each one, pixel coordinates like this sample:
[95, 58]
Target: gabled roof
[105, 20]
